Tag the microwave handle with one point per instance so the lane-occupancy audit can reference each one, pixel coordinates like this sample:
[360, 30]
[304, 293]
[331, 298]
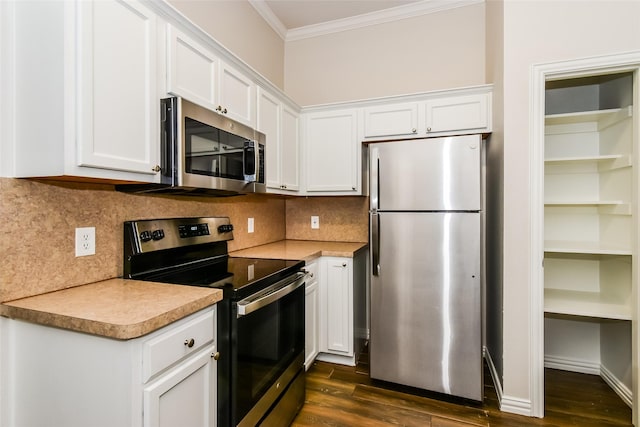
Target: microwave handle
[250, 154]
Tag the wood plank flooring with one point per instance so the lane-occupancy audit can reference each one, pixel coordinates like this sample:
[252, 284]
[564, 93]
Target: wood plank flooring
[346, 396]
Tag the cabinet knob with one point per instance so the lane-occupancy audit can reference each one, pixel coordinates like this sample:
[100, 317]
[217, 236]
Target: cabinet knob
[284, 187]
[215, 355]
[428, 129]
[219, 108]
[414, 130]
[156, 168]
[353, 188]
[344, 264]
[224, 111]
[190, 342]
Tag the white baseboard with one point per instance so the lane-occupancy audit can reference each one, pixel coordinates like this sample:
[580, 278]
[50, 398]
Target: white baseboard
[516, 405]
[572, 365]
[593, 368]
[509, 404]
[334, 358]
[621, 390]
[494, 374]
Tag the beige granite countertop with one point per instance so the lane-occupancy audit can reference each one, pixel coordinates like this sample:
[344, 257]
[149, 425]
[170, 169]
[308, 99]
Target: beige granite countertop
[114, 308]
[305, 250]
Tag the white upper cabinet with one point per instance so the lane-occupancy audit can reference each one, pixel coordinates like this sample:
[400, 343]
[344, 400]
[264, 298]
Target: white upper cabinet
[290, 157]
[192, 70]
[461, 114]
[117, 122]
[195, 73]
[280, 124]
[331, 152]
[237, 95]
[455, 112]
[84, 101]
[391, 120]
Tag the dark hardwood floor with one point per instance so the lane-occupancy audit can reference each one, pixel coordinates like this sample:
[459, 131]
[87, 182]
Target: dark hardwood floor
[345, 396]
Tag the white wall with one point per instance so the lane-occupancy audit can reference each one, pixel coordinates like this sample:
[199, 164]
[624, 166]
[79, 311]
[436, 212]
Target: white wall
[537, 32]
[436, 51]
[237, 26]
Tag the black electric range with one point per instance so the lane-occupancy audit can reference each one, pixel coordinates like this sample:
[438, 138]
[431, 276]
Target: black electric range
[260, 320]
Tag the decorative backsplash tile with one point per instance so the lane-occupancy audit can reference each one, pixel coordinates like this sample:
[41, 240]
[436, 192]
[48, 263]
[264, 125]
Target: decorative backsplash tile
[38, 221]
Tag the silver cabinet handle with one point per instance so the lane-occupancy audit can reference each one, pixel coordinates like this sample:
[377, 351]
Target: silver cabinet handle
[414, 130]
[428, 129]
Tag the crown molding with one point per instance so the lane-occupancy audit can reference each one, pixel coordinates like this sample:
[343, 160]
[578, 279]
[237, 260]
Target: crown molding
[411, 10]
[267, 14]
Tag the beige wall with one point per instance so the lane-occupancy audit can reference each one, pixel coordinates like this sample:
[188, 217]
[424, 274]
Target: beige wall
[537, 32]
[238, 27]
[436, 51]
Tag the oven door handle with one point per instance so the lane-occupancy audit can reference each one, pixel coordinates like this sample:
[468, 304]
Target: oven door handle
[271, 294]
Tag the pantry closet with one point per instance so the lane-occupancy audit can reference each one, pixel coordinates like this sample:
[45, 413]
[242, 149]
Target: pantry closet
[590, 226]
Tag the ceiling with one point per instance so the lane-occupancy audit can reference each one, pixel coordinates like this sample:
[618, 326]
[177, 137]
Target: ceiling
[297, 19]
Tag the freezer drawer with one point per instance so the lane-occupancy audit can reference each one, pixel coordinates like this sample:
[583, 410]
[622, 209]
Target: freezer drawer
[425, 302]
[435, 174]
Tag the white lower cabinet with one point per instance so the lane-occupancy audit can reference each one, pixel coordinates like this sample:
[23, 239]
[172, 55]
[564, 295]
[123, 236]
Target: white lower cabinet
[58, 377]
[341, 308]
[336, 295]
[184, 396]
[311, 322]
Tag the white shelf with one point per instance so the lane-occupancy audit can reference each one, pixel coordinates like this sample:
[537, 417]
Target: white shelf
[604, 118]
[586, 304]
[576, 247]
[614, 161]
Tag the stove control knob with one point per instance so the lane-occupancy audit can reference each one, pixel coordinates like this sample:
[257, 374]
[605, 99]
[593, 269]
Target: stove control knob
[145, 236]
[225, 228]
[157, 234]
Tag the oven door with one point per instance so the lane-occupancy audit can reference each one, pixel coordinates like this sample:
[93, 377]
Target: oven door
[269, 347]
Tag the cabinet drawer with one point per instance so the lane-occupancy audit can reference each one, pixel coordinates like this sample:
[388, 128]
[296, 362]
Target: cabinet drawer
[177, 342]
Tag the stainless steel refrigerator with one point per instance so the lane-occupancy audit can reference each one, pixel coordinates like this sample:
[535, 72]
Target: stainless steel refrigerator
[425, 243]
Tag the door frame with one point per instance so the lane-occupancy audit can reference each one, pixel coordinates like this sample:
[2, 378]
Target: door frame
[539, 74]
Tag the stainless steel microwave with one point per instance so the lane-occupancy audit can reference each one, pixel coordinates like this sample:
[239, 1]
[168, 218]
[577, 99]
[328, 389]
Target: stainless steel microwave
[203, 149]
[205, 153]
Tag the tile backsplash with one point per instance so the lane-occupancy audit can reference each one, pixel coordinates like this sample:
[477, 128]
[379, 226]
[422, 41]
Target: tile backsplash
[38, 221]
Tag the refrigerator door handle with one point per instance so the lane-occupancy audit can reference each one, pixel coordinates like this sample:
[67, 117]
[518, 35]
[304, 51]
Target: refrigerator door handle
[375, 244]
[374, 178]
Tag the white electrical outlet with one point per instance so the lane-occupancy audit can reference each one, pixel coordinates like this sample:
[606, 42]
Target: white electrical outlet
[85, 241]
[315, 221]
[250, 228]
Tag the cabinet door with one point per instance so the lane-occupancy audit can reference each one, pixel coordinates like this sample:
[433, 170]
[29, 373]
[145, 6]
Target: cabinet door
[191, 70]
[237, 95]
[311, 323]
[391, 120]
[289, 154]
[117, 111]
[337, 279]
[458, 114]
[185, 396]
[331, 143]
[269, 123]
